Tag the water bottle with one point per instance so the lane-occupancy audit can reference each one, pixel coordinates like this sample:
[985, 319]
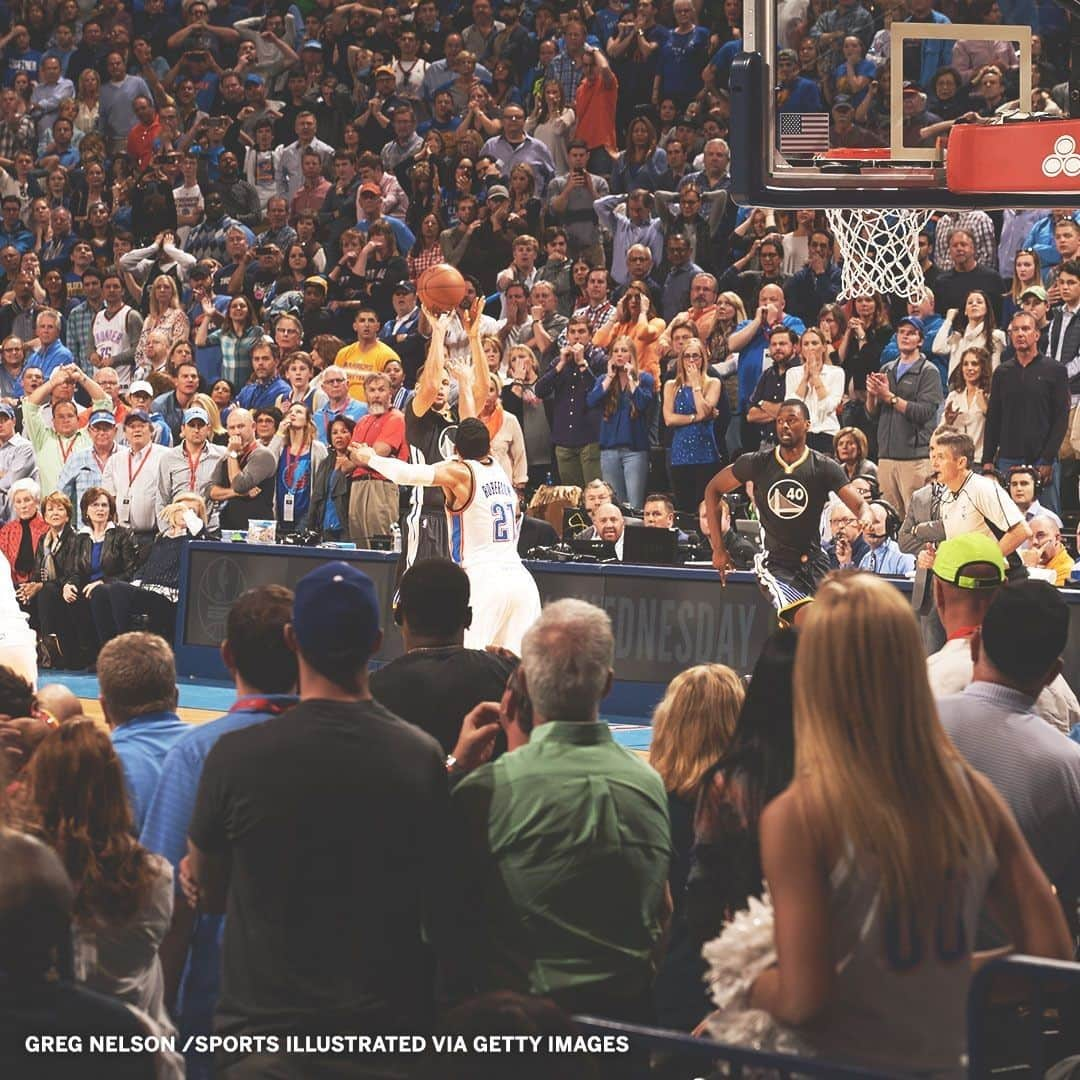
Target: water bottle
[395, 537]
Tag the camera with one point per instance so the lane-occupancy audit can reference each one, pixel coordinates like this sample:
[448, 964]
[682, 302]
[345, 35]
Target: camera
[301, 538]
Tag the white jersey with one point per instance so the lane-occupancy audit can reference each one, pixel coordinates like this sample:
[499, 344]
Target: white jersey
[111, 339]
[485, 529]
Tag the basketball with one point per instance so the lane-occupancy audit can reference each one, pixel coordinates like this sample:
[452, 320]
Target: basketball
[441, 288]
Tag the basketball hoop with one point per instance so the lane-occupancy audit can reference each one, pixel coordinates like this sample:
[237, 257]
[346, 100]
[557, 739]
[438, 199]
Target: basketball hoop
[881, 251]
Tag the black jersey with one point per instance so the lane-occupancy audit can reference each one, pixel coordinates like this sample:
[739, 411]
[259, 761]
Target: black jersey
[790, 499]
[431, 440]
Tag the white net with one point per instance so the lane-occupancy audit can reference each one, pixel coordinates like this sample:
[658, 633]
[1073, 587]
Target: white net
[881, 251]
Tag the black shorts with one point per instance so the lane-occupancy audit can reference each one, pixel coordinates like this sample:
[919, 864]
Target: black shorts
[805, 575]
[424, 535]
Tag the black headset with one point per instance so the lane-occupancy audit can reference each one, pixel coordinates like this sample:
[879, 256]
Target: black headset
[892, 518]
[1028, 470]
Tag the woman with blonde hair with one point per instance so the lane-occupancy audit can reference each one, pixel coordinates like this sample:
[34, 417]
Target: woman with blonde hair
[636, 320]
[507, 438]
[820, 386]
[520, 401]
[691, 730]
[626, 394]
[86, 119]
[165, 313]
[882, 852]
[493, 353]
[690, 408]
[220, 436]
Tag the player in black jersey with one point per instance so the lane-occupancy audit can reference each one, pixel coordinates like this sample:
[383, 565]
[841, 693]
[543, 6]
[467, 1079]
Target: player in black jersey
[430, 427]
[791, 487]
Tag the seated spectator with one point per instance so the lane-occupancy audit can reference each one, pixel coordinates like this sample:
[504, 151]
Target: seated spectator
[848, 547]
[55, 584]
[438, 681]
[610, 525]
[692, 730]
[884, 555]
[123, 893]
[1046, 554]
[155, 589]
[578, 925]
[19, 537]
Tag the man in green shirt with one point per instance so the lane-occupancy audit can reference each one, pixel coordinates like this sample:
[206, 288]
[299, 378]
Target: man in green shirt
[565, 841]
[55, 442]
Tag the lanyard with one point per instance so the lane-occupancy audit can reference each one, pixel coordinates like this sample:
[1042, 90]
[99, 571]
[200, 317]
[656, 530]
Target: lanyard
[65, 452]
[296, 467]
[132, 477]
[193, 467]
[98, 462]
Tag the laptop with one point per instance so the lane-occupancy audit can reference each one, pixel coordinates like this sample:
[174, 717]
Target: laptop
[594, 550]
[651, 547]
[574, 520]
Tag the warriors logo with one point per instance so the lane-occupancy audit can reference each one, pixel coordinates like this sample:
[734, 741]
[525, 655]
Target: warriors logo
[787, 498]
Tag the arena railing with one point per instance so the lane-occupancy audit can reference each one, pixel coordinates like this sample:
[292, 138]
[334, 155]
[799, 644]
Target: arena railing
[704, 1052]
[1023, 1016]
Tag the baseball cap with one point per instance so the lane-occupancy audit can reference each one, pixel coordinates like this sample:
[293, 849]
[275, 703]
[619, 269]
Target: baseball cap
[404, 286]
[199, 271]
[102, 416]
[255, 80]
[135, 415]
[842, 101]
[335, 612]
[318, 282]
[688, 120]
[369, 188]
[789, 55]
[8, 411]
[384, 69]
[497, 191]
[912, 88]
[1037, 291]
[1025, 629]
[913, 320]
[196, 412]
[954, 556]
[140, 386]
[311, 43]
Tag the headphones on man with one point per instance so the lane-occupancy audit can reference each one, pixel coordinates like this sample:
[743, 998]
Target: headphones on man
[892, 518]
[1027, 470]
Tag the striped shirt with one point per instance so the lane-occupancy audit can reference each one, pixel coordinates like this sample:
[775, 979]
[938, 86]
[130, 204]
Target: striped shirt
[79, 334]
[236, 353]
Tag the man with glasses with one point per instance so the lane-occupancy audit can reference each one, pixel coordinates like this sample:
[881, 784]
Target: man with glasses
[749, 283]
[817, 283]
[514, 147]
[339, 402]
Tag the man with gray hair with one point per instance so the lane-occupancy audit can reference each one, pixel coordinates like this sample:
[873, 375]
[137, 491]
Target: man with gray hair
[565, 842]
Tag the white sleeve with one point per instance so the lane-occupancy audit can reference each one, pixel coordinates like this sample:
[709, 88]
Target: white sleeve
[994, 504]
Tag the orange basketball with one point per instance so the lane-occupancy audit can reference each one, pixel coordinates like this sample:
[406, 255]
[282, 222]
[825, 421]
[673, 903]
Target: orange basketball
[441, 288]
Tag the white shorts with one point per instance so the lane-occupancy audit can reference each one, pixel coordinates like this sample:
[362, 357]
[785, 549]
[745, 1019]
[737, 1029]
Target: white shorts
[505, 603]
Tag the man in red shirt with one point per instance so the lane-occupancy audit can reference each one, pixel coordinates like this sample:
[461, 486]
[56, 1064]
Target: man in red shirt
[143, 136]
[373, 500]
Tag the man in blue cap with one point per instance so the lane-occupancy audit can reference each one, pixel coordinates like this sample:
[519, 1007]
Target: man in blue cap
[86, 468]
[904, 397]
[191, 466]
[323, 829]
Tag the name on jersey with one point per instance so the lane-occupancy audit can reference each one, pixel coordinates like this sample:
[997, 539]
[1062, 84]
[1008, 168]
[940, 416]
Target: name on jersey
[496, 487]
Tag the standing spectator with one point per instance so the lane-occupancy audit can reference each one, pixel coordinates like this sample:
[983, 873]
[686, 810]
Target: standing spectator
[689, 408]
[966, 276]
[118, 94]
[17, 460]
[976, 329]
[405, 144]
[364, 937]
[567, 381]
[131, 476]
[117, 329]
[572, 203]
[637, 225]
[923, 58]
[848, 18]
[905, 396]
[676, 274]
[292, 155]
[263, 670]
[514, 147]
[137, 680]
[820, 386]
[188, 467]
[967, 404]
[681, 58]
[1029, 411]
[244, 480]
[818, 283]
[542, 931]
[920, 840]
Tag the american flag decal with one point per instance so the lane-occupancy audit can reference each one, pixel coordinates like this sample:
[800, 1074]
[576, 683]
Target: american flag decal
[804, 133]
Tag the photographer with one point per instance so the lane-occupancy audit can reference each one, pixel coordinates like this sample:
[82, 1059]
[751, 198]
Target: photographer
[153, 209]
